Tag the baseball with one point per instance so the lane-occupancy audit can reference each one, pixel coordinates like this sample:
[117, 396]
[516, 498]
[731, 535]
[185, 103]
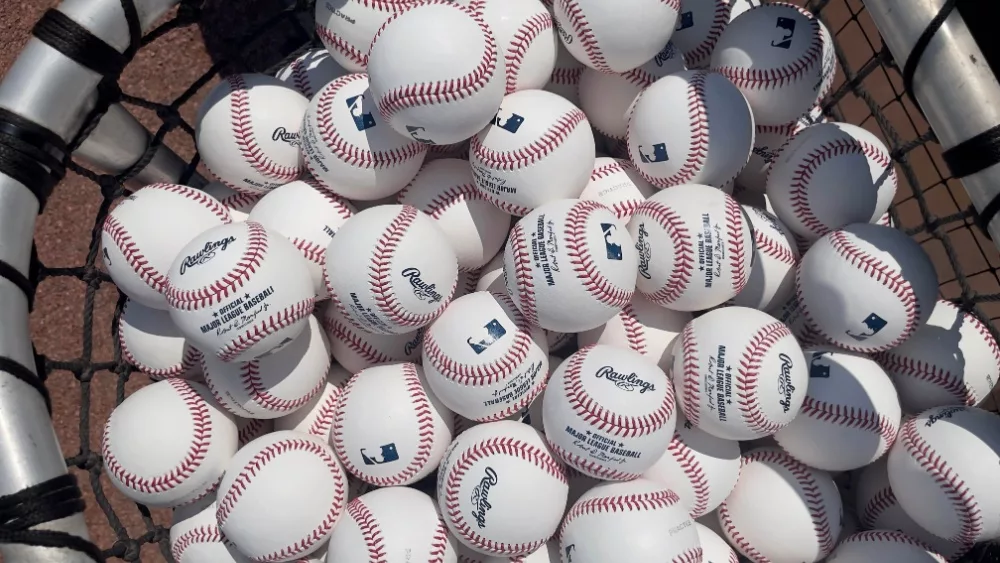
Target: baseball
[249, 429]
[247, 132]
[867, 288]
[713, 548]
[347, 27]
[356, 349]
[144, 233]
[445, 190]
[483, 359]
[850, 416]
[526, 39]
[634, 521]
[775, 258]
[316, 416]
[718, 364]
[467, 281]
[936, 471]
[168, 443]
[883, 545]
[701, 468]
[699, 26]
[790, 313]
[195, 536]
[308, 217]
[774, 55]
[548, 553]
[394, 525]
[239, 204]
[349, 148]
[390, 450]
[695, 247]
[609, 412]
[615, 37]
[488, 475]
[281, 497]
[951, 360]
[442, 91]
[311, 71]
[767, 141]
[618, 185]
[802, 520]
[539, 148]
[380, 274]
[570, 266]
[566, 74]
[152, 343]
[491, 275]
[642, 326]
[710, 143]
[239, 291]
[830, 175]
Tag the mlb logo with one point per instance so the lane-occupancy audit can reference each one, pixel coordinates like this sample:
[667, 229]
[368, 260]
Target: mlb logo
[818, 369]
[362, 120]
[786, 27]
[415, 132]
[387, 454]
[494, 331]
[685, 21]
[512, 123]
[873, 323]
[659, 153]
[614, 250]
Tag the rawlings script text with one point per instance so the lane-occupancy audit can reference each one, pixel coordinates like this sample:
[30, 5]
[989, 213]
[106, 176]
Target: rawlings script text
[625, 381]
[481, 497]
[645, 251]
[206, 254]
[785, 387]
[421, 289]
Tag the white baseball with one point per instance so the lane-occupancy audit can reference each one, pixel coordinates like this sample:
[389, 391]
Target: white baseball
[239, 291]
[828, 72]
[642, 326]
[526, 40]
[706, 139]
[152, 343]
[316, 416]
[347, 27]
[713, 548]
[491, 275]
[445, 190]
[740, 6]
[570, 265]
[488, 475]
[168, 443]
[699, 26]
[548, 553]
[615, 37]
[539, 148]
[308, 217]
[951, 360]
[830, 175]
[767, 141]
[775, 257]
[701, 468]
[883, 545]
[802, 519]
[391, 270]
[356, 349]
[695, 247]
[936, 469]
[850, 416]
[392, 525]
[281, 497]
[247, 132]
[390, 450]
[144, 233]
[867, 288]
[607, 98]
[276, 384]
[195, 536]
[441, 91]
[483, 359]
[617, 184]
[790, 313]
[639, 520]
[774, 55]
[739, 373]
[565, 79]
[350, 149]
[239, 204]
[249, 429]
[311, 71]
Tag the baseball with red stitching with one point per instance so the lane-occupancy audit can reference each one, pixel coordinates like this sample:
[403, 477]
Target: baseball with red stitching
[442, 91]
[168, 443]
[349, 149]
[850, 416]
[767, 141]
[607, 98]
[617, 184]
[615, 37]
[709, 143]
[713, 548]
[565, 79]
[146, 231]
[695, 247]
[774, 55]
[699, 26]
[483, 359]
[488, 475]
[775, 257]
[391, 450]
[195, 536]
[830, 175]
[316, 416]
[637, 520]
[382, 277]
[445, 190]
[936, 470]
[701, 468]
[239, 204]
[539, 148]
[346, 27]
[739, 373]
[239, 291]
[249, 429]
[570, 265]
[247, 132]
[548, 553]
[467, 280]
[281, 497]
[883, 545]
[802, 329]
[951, 360]
[802, 521]
[356, 350]
[866, 288]
[152, 343]
[311, 71]
[491, 275]
[642, 326]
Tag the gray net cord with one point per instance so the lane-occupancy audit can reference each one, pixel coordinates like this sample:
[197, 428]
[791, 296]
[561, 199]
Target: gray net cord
[972, 288]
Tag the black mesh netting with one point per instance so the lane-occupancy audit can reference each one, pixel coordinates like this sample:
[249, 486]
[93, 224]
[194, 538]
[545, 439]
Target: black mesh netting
[930, 206]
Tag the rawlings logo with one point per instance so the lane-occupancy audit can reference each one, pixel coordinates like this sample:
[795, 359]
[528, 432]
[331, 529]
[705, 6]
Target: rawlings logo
[414, 345]
[626, 382]
[668, 53]
[481, 497]
[785, 387]
[421, 289]
[942, 414]
[206, 254]
[282, 134]
[645, 251]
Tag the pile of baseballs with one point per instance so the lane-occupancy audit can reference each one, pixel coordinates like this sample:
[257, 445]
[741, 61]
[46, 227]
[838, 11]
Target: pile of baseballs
[652, 311]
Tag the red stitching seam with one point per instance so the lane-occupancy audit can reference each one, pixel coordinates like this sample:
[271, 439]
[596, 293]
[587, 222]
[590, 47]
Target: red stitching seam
[449, 198]
[201, 441]
[521, 42]
[639, 77]
[239, 201]
[439, 545]
[581, 27]
[962, 500]
[675, 284]
[767, 78]
[851, 417]
[566, 76]
[190, 358]
[340, 205]
[200, 197]
[370, 531]
[981, 329]
[323, 419]
[692, 555]
[685, 458]
[442, 91]
[534, 151]
[698, 149]
[523, 275]
[310, 250]
[737, 539]
[246, 475]
[229, 284]
[619, 165]
[620, 504]
[703, 50]
[339, 44]
[201, 534]
[273, 323]
[251, 431]
[891, 536]
[635, 332]
[737, 252]
[241, 121]
[590, 468]
[357, 344]
[261, 395]
[746, 376]
[799, 187]
[692, 377]
[774, 249]
[578, 250]
[882, 500]
[300, 77]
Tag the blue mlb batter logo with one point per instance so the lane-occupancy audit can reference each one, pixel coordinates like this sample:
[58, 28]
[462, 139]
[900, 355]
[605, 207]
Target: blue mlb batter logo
[659, 153]
[873, 323]
[512, 123]
[614, 250]
[817, 368]
[387, 454]
[362, 120]
[494, 331]
[786, 26]
[685, 21]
